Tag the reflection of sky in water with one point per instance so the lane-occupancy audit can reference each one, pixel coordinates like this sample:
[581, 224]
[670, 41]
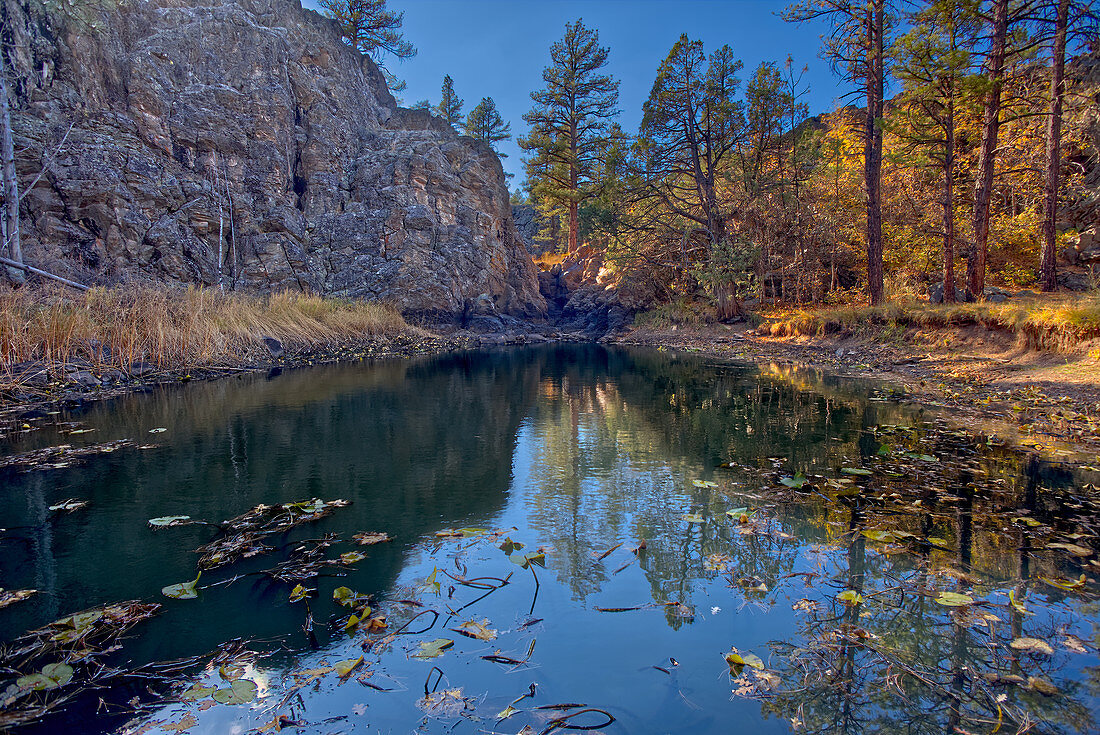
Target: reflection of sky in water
[580, 449]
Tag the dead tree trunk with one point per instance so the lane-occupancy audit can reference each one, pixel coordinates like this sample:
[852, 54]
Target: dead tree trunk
[10, 182]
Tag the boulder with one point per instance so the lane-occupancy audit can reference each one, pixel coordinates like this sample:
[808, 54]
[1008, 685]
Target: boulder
[935, 294]
[274, 347]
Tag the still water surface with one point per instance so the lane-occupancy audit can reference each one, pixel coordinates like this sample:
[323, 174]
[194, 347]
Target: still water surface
[575, 451]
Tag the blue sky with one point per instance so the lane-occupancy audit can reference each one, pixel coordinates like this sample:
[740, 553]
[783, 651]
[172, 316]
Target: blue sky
[498, 48]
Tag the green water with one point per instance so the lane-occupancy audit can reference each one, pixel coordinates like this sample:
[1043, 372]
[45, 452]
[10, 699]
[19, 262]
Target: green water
[573, 450]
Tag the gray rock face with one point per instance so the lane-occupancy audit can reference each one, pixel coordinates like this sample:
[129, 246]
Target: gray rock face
[241, 143]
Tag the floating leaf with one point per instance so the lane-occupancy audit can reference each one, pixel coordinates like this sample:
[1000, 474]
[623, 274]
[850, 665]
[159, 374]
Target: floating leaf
[300, 593]
[881, 536]
[921, 457]
[795, 482]
[693, 518]
[478, 629]
[509, 546]
[850, 597]
[1066, 584]
[525, 560]
[369, 539]
[346, 596]
[165, 521]
[158, 430]
[855, 471]
[507, 712]
[352, 624]
[461, 533]
[704, 483]
[737, 660]
[954, 599]
[69, 505]
[1032, 645]
[1075, 549]
[10, 597]
[36, 682]
[1016, 604]
[196, 692]
[344, 668]
[350, 557]
[433, 649]
[431, 584]
[182, 590]
[1041, 685]
[241, 691]
[60, 673]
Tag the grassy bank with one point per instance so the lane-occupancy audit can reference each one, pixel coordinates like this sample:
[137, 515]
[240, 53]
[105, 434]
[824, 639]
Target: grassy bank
[1055, 323]
[175, 328]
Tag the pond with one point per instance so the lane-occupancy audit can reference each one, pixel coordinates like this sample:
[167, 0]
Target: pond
[578, 536]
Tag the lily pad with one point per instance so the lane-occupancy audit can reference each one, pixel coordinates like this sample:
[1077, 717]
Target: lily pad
[1032, 645]
[433, 649]
[526, 560]
[241, 691]
[795, 482]
[737, 661]
[182, 590]
[165, 521]
[196, 692]
[850, 597]
[954, 599]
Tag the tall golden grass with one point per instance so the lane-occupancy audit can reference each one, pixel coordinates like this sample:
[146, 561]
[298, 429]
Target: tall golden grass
[175, 328]
[1055, 323]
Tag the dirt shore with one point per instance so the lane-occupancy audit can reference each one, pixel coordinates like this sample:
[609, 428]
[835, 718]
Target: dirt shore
[981, 377]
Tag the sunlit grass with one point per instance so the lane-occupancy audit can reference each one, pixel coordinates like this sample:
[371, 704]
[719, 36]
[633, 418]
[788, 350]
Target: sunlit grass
[1047, 322]
[176, 327]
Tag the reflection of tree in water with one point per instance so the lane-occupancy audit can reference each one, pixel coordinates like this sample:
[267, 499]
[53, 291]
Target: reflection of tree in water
[898, 661]
[615, 453]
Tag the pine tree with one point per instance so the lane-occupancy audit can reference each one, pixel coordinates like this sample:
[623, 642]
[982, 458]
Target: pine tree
[484, 123]
[450, 105]
[935, 61]
[570, 125]
[691, 125]
[857, 47]
[1048, 274]
[369, 28]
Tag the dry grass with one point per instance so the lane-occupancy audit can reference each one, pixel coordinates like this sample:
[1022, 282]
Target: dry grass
[175, 328]
[1055, 323]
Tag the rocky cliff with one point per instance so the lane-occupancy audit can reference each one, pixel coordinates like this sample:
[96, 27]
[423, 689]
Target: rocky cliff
[241, 143]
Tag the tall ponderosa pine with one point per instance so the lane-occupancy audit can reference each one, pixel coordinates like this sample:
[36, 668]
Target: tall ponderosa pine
[857, 47]
[996, 23]
[1048, 275]
[369, 28]
[935, 66]
[485, 123]
[691, 125]
[450, 105]
[570, 125]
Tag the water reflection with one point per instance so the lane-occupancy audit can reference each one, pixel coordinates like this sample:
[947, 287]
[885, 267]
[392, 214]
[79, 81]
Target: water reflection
[625, 467]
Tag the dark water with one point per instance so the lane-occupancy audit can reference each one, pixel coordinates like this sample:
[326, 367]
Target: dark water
[574, 450]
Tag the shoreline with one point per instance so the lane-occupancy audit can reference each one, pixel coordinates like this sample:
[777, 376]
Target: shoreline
[1019, 392]
[1045, 399]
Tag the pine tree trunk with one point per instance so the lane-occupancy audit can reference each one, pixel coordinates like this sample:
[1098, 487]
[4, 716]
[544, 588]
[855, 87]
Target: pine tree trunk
[10, 182]
[949, 214]
[1048, 275]
[983, 186]
[872, 151]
